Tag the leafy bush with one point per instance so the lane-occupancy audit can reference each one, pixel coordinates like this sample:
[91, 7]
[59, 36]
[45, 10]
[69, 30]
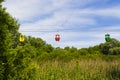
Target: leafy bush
[115, 51]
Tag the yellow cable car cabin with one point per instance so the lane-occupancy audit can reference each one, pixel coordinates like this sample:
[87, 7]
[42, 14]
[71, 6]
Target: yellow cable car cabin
[21, 39]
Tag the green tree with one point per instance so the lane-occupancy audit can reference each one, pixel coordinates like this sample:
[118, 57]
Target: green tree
[5, 43]
[67, 48]
[1, 1]
[105, 47]
[21, 63]
[8, 27]
[83, 51]
[115, 51]
[48, 48]
[36, 42]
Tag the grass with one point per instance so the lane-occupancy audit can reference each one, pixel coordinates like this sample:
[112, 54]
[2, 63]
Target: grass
[84, 69]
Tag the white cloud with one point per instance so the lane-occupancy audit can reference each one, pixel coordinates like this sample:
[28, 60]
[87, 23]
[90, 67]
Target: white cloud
[110, 12]
[22, 9]
[25, 10]
[59, 20]
[60, 15]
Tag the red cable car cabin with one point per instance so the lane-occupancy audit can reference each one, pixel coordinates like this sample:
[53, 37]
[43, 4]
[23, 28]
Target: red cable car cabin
[57, 37]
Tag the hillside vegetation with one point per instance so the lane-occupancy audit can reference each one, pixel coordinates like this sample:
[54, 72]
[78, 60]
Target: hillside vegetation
[34, 59]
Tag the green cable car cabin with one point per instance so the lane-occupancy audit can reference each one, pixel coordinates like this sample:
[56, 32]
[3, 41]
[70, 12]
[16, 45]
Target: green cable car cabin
[107, 37]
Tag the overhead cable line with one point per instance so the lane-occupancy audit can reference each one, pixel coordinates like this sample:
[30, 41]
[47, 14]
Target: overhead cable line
[68, 30]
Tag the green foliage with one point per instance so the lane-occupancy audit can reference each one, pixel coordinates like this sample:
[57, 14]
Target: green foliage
[1, 1]
[36, 42]
[110, 47]
[21, 63]
[47, 48]
[83, 51]
[5, 43]
[115, 51]
[105, 48]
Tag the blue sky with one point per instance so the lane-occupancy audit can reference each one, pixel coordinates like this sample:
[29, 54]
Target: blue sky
[80, 23]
